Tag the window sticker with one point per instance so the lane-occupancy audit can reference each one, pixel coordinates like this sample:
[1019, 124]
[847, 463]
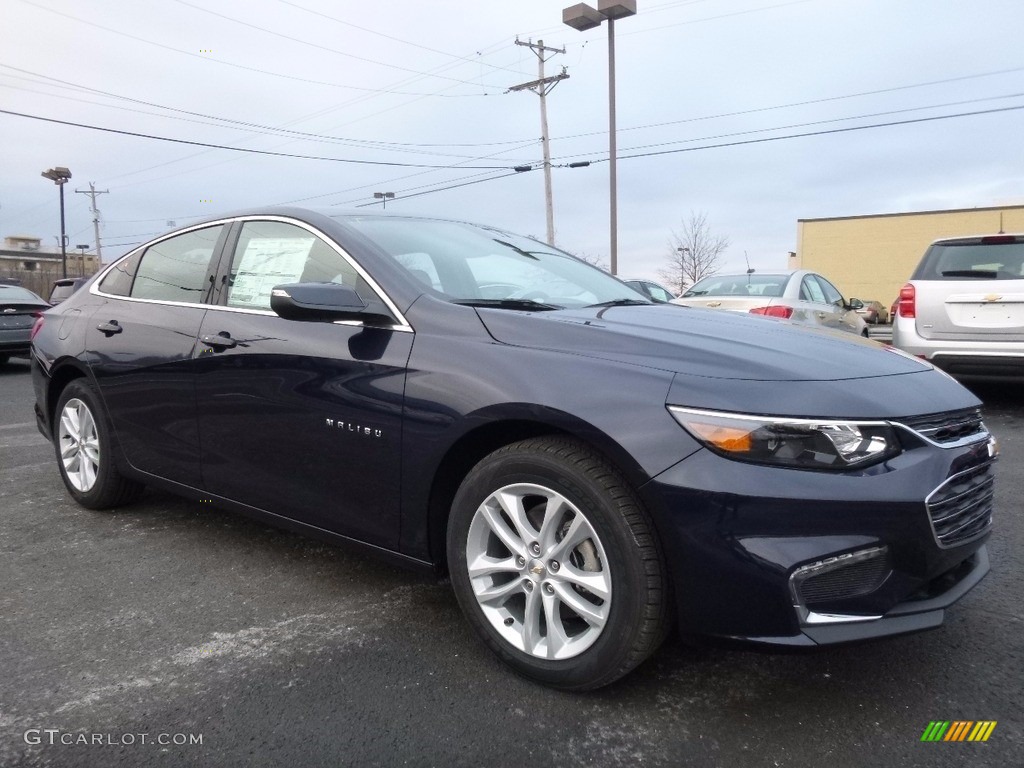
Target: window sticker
[266, 262]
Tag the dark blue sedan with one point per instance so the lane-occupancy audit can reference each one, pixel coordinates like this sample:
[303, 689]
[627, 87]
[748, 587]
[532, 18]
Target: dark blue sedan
[591, 468]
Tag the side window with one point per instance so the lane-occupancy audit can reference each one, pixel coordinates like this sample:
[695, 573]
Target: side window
[118, 281]
[832, 294]
[811, 291]
[657, 292]
[273, 253]
[177, 269]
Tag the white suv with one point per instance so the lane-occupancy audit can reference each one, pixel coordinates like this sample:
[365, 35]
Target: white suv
[963, 309]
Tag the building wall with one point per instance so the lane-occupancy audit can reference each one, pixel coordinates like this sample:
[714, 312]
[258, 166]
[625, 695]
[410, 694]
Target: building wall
[871, 257]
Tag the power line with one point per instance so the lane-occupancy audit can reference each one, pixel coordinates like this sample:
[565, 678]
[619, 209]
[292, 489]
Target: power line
[321, 47]
[240, 149]
[209, 58]
[807, 124]
[806, 103]
[850, 129]
[250, 125]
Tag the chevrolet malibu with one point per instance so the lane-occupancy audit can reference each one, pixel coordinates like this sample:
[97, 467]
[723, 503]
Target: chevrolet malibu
[591, 468]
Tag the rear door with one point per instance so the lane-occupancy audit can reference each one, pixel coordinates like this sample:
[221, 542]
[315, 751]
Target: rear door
[142, 341]
[301, 418]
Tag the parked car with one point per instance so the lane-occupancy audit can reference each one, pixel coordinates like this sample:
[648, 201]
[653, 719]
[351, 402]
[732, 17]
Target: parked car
[873, 312]
[650, 289]
[65, 287]
[800, 296]
[18, 308]
[963, 309]
[589, 467]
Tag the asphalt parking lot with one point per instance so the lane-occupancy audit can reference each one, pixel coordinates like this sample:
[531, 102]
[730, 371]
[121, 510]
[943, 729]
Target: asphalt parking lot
[169, 621]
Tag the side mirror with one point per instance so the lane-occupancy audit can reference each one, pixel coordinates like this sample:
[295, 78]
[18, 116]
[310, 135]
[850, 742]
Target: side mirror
[319, 301]
[856, 304]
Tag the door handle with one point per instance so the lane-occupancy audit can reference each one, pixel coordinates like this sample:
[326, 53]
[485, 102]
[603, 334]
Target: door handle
[109, 328]
[822, 315]
[221, 340]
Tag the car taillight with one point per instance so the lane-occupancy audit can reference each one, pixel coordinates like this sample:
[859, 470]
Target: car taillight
[37, 326]
[773, 311]
[908, 301]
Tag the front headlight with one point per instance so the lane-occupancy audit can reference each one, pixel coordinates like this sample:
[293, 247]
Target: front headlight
[801, 443]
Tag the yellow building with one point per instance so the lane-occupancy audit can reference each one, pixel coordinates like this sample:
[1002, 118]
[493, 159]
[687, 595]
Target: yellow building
[871, 257]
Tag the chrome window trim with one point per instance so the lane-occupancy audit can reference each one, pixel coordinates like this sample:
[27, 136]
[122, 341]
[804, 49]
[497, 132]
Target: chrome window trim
[403, 324]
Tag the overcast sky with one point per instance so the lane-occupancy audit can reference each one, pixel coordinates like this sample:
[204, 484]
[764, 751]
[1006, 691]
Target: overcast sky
[414, 83]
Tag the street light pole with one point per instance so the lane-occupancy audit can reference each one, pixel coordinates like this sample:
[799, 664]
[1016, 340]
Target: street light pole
[60, 176]
[582, 17]
[384, 197]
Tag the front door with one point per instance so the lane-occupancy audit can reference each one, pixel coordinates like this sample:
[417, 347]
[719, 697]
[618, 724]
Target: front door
[300, 418]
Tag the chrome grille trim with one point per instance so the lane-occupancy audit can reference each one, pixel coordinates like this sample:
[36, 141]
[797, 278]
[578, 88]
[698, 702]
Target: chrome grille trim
[960, 509]
[947, 430]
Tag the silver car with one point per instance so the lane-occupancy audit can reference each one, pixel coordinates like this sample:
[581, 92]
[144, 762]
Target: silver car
[963, 309]
[800, 296]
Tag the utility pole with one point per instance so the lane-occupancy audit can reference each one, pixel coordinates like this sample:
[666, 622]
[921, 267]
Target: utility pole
[92, 192]
[542, 86]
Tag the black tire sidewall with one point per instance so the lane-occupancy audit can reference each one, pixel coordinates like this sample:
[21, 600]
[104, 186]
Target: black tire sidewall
[629, 580]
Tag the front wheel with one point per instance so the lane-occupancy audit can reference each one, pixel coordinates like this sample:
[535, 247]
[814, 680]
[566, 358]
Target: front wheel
[556, 565]
[83, 443]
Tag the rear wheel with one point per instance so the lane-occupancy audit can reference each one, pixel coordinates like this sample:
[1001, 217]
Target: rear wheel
[83, 445]
[555, 563]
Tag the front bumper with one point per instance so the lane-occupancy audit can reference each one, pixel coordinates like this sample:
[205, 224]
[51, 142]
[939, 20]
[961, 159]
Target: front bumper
[797, 558]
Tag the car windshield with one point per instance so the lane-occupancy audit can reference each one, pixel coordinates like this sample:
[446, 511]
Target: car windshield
[476, 265]
[999, 260]
[738, 285]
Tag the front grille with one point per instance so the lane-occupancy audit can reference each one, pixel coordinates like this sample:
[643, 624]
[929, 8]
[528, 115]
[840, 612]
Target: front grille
[944, 428]
[961, 508]
[854, 580]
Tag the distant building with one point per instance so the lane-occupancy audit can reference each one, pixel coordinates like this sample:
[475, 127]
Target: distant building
[871, 257]
[24, 258]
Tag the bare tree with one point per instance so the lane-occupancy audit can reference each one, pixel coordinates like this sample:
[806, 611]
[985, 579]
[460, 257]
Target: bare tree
[694, 252]
[595, 261]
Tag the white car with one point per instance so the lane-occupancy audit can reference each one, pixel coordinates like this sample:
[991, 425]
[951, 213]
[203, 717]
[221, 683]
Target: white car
[963, 309]
[800, 296]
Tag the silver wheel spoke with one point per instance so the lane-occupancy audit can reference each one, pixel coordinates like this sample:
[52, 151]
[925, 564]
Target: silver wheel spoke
[500, 528]
[531, 622]
[558, 639]
[485, 565]
[594, 615]
[512, 503]
[554, 512]
[594, 581]
[579, 531]
[498, 595]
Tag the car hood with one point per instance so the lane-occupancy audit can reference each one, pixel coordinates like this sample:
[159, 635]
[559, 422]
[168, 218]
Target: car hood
[701, 342]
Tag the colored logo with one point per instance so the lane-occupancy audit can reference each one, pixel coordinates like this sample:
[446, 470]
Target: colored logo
[958, 730]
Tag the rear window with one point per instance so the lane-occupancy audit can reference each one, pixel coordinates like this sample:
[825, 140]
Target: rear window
[738, 285]
[13, 294]
[977, 260]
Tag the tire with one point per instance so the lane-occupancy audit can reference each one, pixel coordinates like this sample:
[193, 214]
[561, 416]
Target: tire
[4, 359]
[83, 442]
[553, 531]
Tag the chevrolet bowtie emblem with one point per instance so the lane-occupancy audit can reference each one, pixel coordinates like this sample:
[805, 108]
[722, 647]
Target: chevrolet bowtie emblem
[993, 297]
[714, 304]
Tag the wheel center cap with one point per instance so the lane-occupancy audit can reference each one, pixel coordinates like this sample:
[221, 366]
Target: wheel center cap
[536, 568]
